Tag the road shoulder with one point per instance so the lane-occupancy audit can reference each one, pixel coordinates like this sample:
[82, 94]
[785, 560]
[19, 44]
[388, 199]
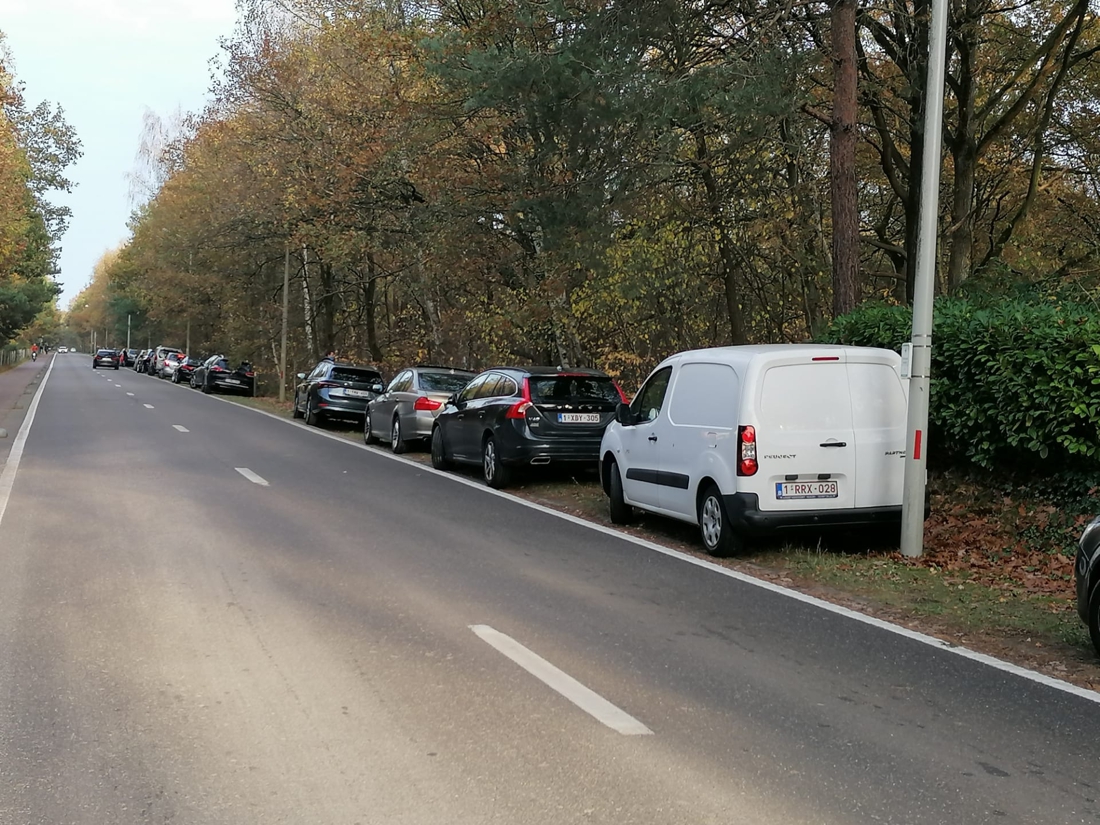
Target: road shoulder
[17, 388]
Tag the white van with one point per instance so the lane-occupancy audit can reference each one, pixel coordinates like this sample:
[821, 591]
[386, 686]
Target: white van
[753, 439]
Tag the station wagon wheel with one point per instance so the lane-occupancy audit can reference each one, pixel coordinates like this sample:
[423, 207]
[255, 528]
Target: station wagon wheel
[620, 511]
[1094, 617]
[496, 474]
[397, 444]
[313, 418]
[368, 432]
[297, 413]
[719, 538]
[439, 457]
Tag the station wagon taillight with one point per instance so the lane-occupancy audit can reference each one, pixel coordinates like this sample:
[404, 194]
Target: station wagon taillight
[746, 451]
[520, 408]
[425, 404]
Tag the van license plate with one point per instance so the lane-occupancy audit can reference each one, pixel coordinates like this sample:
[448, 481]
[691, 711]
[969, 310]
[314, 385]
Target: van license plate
[806, 489]
[578, 418]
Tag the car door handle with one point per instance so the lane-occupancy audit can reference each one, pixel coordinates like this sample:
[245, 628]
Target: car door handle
[653, 438]
[835, 444]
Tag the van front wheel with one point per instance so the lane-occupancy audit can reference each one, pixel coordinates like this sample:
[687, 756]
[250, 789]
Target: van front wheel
[620, 511]
[719, 539]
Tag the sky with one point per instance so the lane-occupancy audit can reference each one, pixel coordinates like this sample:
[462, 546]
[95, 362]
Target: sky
[107, 62]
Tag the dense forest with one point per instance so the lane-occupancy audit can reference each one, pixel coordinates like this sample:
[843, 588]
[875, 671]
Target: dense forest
[36, 146]
[590, 182]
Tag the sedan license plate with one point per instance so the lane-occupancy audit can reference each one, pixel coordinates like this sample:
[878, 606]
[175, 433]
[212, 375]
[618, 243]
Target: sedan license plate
[806, 489]
[232, 381]
[578, 418]
[357, 393]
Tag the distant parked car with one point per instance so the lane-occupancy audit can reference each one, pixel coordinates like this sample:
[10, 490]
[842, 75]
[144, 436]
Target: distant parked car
[408, 408]
[171, 363]
[520, 417]
[106, 358]
[126, 357]
[186, 368]
[215, 375]
[142, 360]
[334, 390]
[156, 360]
[1087, 575]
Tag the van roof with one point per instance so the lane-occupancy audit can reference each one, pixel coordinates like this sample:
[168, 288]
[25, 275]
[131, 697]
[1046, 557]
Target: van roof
[749, 352]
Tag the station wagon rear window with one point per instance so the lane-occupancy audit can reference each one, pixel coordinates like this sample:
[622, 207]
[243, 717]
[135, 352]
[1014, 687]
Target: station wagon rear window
[360, 376]
[552, 389]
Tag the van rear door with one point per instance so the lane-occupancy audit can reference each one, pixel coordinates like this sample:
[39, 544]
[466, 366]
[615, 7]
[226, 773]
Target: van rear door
[805, 439]
[879, 408]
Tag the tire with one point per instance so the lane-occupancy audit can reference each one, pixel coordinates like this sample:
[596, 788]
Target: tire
[494, 472]
[295, 411]
[191, 383]
[206, 389]
[176, 377]
[368, 432]
[719, 538]
[439, 456]
[93, 366]
[1094, 618]
[397, 444]
[313, 418]
[618, 509]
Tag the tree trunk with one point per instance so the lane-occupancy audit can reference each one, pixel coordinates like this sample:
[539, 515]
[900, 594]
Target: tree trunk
[307, 300]
[842, 160]
[964, 152]
[370, 300]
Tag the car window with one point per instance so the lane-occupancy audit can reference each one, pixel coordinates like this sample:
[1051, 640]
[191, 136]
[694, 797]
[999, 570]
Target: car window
[507, 387]
[443, 381]
[647, 406]
[473, 388]
[319, 370]
[395, 384]
[359, 376]
[572, 389]
[405, 381]
[490, 389]
[706, 395]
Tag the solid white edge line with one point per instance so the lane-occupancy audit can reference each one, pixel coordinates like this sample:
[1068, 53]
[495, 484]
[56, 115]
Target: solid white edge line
[557, 679]
[181, 428]
[881, 624]
[251, 476]
[11, 464]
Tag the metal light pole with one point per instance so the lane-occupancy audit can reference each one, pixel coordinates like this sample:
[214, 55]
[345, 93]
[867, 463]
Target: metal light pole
[128, 318]
[916, 454]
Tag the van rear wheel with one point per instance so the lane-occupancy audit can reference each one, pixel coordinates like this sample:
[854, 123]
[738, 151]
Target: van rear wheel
[618, 509]
[718, 535]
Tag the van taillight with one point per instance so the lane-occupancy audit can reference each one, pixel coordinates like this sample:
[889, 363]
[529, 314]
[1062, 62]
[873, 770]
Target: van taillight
[746, 451]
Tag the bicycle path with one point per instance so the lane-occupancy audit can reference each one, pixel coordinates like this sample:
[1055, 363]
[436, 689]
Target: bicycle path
[17, 388]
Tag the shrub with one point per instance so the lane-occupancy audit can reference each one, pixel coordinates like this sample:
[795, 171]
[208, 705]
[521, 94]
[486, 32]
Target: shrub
[1015, 384]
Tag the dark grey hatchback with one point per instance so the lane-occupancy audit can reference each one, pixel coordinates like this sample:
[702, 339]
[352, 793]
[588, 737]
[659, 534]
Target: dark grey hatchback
[510, 417]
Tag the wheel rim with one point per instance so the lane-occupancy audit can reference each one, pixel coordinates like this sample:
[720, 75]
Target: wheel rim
[395, 433]
[490, 460]
[710, 521]
[437, 445]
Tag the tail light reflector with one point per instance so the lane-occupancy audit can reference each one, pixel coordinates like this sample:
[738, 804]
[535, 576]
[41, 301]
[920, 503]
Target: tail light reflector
[622, 395]
[746, 451]
[216, 368]
[520, 408]
[425, 404]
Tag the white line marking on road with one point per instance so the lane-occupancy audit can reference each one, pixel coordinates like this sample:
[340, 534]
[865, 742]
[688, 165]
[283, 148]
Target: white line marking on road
[586, 699]
[130, 394]
[181, 428]
[11, 466]
[148, 406]
[119, 386]
[873, 621]
[251, 476]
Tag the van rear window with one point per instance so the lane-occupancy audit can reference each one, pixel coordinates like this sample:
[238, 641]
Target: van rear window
[806, 397]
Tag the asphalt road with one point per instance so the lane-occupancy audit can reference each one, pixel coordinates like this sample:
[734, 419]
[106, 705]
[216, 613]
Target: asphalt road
[182, 644]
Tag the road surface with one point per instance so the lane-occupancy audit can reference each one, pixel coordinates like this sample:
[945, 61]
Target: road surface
[208, 615]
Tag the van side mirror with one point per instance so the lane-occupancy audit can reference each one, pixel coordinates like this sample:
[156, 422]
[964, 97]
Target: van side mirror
[624, 415]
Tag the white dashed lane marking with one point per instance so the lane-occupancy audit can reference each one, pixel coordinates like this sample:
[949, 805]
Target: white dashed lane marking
[149, 406]
[181, 428]
[251, 476]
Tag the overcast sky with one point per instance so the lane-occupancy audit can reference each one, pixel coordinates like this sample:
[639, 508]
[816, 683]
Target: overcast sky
[106, 62]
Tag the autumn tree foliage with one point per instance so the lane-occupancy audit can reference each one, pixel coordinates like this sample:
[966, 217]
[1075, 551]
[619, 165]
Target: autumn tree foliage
[600, 183]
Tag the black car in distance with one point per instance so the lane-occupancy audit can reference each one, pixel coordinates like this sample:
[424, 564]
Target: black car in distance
[183, 372]
[514, 417]
[106, 358]
[336, 391]
[215, 375]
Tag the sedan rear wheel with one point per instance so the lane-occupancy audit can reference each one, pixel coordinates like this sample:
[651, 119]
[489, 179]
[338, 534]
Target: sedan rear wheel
[1094, 618]
[496, 474]
[397, 444]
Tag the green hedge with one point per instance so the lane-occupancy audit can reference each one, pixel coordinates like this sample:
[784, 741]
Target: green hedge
[1015, 385]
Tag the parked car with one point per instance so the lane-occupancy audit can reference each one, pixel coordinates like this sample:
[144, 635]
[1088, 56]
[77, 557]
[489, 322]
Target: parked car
[335, 390]
[754, 439]
[126, 357]
[106, 358]
[1087, 576]
[171, 363]
[156, 360]
[215, 375]
[408, 408]
[142, 360]
[185, 369]
[519, 417]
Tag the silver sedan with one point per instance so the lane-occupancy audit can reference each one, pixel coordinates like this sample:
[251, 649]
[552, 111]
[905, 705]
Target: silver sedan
[407, 410]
